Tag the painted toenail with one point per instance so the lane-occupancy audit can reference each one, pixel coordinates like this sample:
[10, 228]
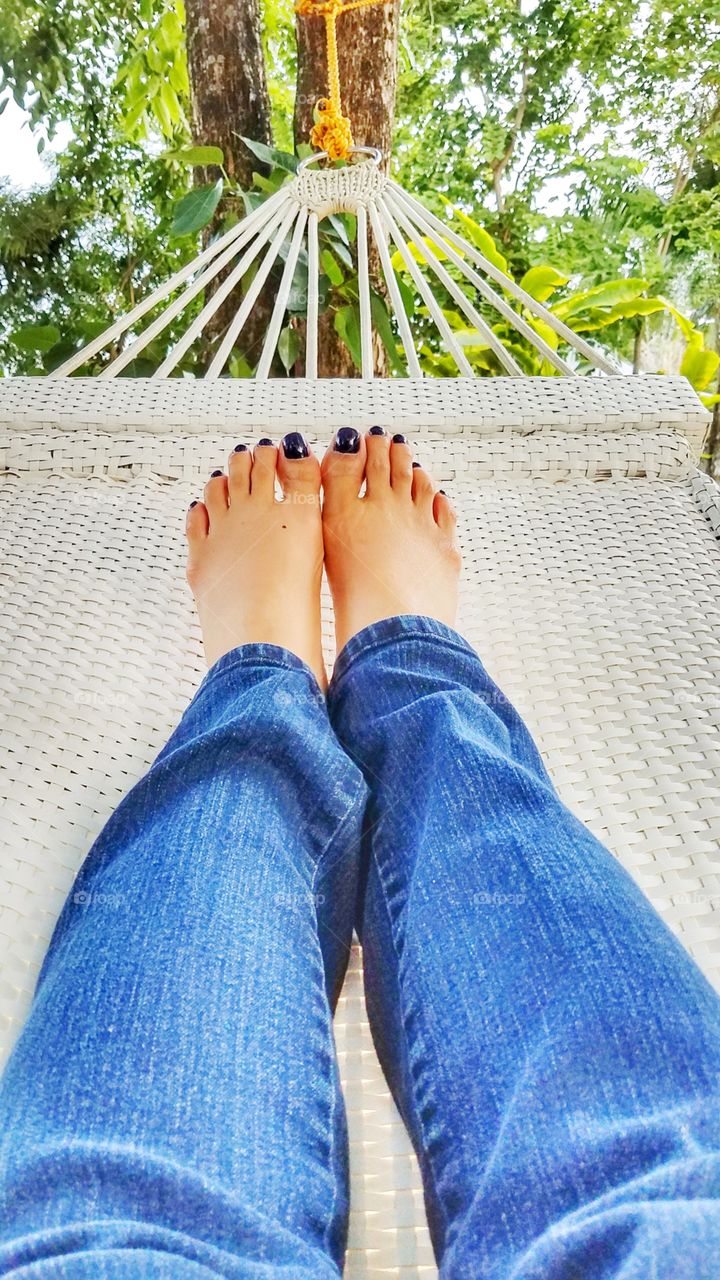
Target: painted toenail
[417, 464]
[192, 504]
[442, 491]
[347, 440]
[377, 431]
[215, 473]
[264, 441]
[240, 448]
[294, 446]
[399, 440]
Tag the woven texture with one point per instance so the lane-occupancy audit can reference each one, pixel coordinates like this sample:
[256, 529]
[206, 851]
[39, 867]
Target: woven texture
[591, 590]
[488, 406]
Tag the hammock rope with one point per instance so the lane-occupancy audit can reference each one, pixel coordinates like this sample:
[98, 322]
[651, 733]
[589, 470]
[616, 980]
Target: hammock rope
[332, 131]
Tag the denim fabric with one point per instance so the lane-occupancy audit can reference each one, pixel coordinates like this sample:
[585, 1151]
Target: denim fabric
[553, 1050]
[172, 1107]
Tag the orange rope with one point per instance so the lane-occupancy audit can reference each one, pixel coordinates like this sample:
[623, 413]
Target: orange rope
[332, 131]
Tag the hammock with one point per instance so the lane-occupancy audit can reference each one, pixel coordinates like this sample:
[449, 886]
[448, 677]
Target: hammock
[591, 589]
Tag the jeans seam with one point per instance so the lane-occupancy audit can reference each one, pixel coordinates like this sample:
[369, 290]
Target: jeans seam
[332, 1146]
[421, 1125]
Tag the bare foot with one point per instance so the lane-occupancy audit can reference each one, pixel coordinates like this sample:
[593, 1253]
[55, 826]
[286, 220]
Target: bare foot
[255, 564]
[394, 550]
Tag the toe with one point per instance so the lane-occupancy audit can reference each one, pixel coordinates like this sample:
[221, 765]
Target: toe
[444, 513]
[197, 523]
[401, 467]
[298, 470]
[377, 467]
[216, 495]
[343, 467]
[239, 466]
[262, 476]
[423, 489]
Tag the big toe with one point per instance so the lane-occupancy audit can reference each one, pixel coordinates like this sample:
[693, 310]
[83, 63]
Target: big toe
[298, 471]
[343, 467]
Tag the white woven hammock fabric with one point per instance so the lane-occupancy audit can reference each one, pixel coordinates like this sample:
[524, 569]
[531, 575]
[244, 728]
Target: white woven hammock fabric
[591, 591]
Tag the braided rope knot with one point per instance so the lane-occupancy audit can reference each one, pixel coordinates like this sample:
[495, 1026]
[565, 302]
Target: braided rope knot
[331, 131]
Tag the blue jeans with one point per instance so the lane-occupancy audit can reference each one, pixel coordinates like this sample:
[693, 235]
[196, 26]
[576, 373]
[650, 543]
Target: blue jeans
[172, 1106]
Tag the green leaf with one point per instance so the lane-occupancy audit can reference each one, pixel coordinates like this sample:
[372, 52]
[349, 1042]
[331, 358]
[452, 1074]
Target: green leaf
[544, 331]
[331, 268]
[169, 97]
[196, 155]
[684, 324]
[381, 322]
[238, 366]
[638, 307]
[288, 346]
[347, 326]
[710, 401]
[252, 200]
[264, 184]
[602, 295]
[340, 250]
[36, 337]
[178, 75]
[337, 223]
[540, 282]
[479, 237]
[699, 365]
[408, 297]
[196, 209]
[271, 156]
[162, 115]
[398, 263]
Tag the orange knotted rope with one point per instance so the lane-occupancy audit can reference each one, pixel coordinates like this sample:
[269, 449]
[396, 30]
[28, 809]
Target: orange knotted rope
[332, 131]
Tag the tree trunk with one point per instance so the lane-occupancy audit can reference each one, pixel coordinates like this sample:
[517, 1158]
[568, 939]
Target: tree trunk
[367, 55]
[228, 86]
[638, 346]
[229, 97]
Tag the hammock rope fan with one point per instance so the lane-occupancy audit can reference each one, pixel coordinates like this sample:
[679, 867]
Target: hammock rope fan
[592, 585]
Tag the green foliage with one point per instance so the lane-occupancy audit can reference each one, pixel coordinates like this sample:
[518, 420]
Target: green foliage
[603, 307]
[577, 145]
[195, 210]
[154, 77]
[197, 156]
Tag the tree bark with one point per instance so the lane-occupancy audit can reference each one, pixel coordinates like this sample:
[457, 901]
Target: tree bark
[228, 85]
[229, 98]
[367, 56]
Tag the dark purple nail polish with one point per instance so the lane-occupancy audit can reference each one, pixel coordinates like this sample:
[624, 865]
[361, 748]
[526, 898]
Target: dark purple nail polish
[399, 440]
[294, 446]
[347, 440]
[417, 464]
[377, 431]
[192, 504]
[215, 473]
[240, 448]
[264, 441]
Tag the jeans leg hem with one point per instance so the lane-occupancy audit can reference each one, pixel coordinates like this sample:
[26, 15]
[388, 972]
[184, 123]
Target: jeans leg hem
[388, 631]
[261, 655]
